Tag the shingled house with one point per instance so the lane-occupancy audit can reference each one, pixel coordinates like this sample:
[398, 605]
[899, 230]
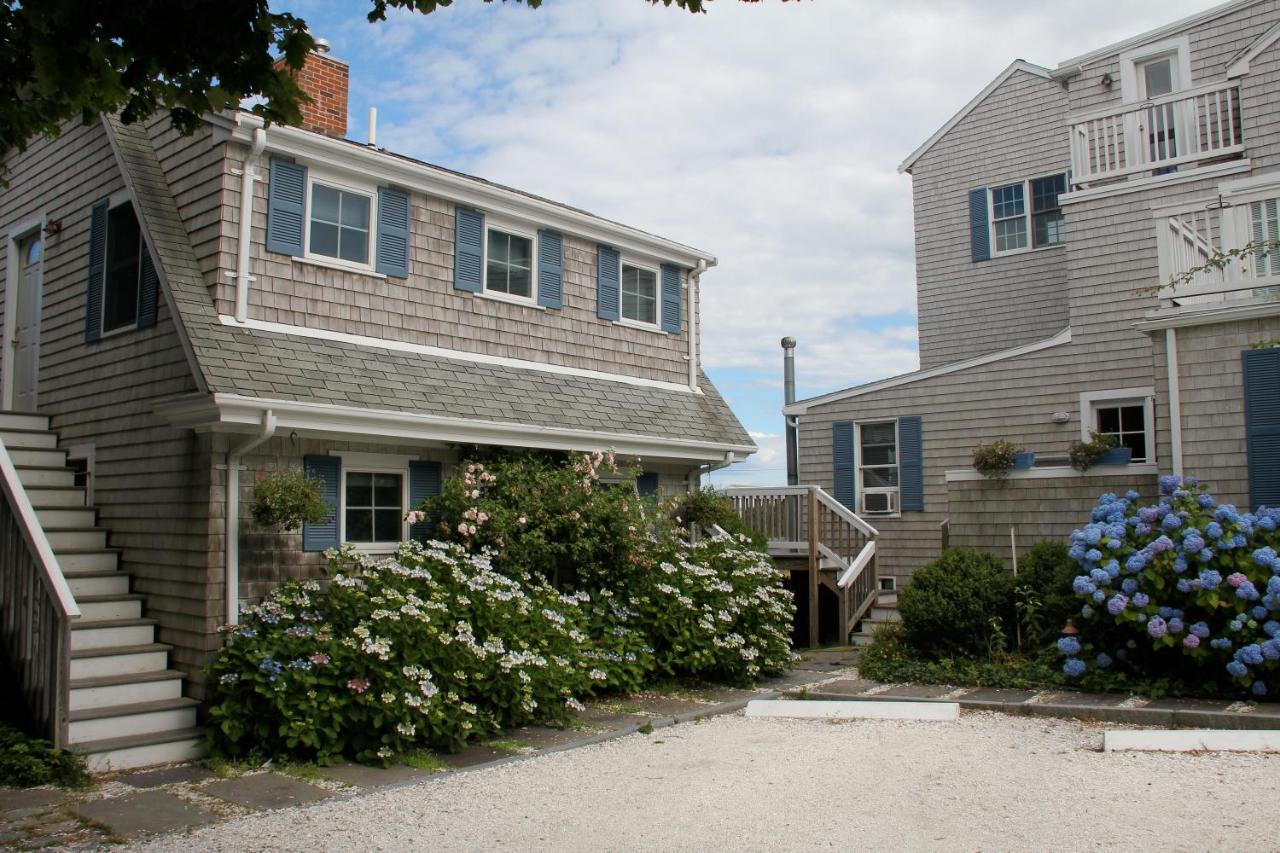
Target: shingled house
[1052, 213]
[184, 314]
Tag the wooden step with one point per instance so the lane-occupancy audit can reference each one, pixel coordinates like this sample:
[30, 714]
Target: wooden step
[84, 560]
[76, 538]
[29, 438]
[40, 476]
[43, 457]
[91, 583]
[141, 718]
[59, 496]
[126, 689]
[24, 421]
[108, 633]
[65, 516]
[120, 753]
[119, 660]
[95, 608]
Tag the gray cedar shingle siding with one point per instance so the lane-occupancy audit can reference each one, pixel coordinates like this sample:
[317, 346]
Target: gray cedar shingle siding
[966, 308]
[150, 481]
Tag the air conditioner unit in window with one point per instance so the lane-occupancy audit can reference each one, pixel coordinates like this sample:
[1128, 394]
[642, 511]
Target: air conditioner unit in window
[878, 503]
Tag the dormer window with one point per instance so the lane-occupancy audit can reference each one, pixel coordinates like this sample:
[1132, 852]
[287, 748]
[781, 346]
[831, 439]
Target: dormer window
[639, 294]
[509, 264]
[339, 224]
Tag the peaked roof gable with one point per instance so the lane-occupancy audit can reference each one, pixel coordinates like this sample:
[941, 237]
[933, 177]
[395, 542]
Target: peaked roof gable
[1014, 67]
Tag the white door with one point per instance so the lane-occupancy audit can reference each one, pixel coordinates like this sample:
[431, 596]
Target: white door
[26, 333]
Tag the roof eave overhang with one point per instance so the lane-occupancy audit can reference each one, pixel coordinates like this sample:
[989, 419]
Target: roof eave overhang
[460, 189]
[239, 414]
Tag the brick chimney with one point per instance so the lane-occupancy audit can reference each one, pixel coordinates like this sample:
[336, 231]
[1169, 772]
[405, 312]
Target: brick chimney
[324, 78]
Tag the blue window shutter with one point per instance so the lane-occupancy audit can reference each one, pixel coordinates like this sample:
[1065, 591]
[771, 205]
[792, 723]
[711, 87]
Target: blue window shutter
[842, 464]
[468, 249]
[550, 269]
[607, 273]
[671, 299]
[647, 484]
[286, 205]
[97, 271]
[424, 482]
[1262, 424]
[149, 287]
[911, 464]
[393, 232]
[328, 470]
[979, 227]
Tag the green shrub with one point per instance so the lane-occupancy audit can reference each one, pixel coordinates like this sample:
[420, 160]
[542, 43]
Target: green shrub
[890, 660]
[287, 499]
[431, 648]
[958, 605]
[1042, 593]
[706, 507]
[26, 762]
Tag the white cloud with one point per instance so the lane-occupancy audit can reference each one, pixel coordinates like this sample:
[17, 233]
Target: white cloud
[768, 133]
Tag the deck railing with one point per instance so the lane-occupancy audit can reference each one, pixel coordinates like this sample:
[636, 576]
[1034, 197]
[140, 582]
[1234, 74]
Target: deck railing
[1189, 237]
[1183, 127]
[36, 609]
[810, 522]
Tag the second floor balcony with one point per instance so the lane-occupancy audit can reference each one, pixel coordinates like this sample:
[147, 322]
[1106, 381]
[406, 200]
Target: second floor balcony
[1157, 135]
[1220, 250]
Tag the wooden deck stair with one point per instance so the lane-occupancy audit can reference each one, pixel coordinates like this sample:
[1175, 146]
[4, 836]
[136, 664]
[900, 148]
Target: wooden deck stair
[125, 706]
[883, 612]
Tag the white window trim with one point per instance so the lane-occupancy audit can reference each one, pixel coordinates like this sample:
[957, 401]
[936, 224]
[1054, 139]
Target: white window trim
[116, 200]
[373, 463]
[1179, 48]
[647, 266]
[506, 226]
[862, 490]
[1091, 400]
[1028, 216]
[338, 182]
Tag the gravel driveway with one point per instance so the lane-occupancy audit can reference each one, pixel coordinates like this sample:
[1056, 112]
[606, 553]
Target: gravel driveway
[987, 782]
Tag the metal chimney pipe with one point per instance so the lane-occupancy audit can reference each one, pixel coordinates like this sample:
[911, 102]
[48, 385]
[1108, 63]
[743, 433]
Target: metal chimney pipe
[789, 397]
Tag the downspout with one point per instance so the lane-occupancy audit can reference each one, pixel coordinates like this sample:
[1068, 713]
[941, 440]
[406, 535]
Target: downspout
[695, 278]
[231, 524]
[789, 397]
[247, 177]
[1175, 398]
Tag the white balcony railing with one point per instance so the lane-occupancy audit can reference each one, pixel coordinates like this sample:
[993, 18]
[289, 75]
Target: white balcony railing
[1222, 250]
[1183, 127]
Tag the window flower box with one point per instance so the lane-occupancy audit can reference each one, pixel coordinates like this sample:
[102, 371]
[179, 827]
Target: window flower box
[1117, 456]
[1023, 460]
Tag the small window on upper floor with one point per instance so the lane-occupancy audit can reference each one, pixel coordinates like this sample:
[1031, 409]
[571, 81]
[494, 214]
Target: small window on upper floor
[339, 224]
[639, 292]
[1017, 226]
[122, 284]
[509, 264]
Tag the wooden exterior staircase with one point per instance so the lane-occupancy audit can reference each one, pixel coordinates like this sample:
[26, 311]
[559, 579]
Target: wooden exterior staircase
[92, 675]
[839, 547]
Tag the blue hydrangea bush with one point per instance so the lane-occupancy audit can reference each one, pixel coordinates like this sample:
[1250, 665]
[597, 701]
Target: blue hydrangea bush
[1185, 589]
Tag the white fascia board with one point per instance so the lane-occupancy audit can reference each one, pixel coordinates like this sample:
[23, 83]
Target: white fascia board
[378, 165]
[1076, 63]
[1195, 315]
[452, 354]
[1015, 66]
[235, 413]
[802, 406]
[1217, 170]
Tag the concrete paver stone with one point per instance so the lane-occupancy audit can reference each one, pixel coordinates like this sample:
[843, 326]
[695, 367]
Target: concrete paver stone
[144, 813]
[265, 791]
[364, 776]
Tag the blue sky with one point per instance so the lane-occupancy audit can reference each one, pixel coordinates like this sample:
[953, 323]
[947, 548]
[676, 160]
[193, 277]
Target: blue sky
[769, 134]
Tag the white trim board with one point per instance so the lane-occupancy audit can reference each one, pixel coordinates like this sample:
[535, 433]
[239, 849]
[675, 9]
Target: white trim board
[382, 166]
[236, 413]
[1198, 315]
[1240, 66]
[853, 709]
[1231, 167]
[801, 407]
[1060, 472]
[1015, 66]
[456, 355]
[1190, 740]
